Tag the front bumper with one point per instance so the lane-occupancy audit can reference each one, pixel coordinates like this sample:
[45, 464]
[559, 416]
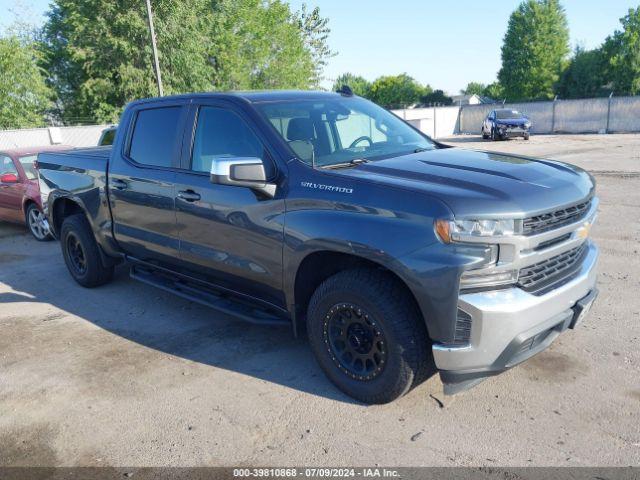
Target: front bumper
[513, 132]
[511, 325]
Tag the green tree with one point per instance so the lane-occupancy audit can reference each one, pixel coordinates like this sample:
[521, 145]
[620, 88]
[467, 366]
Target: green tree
[534, 51]
[99, 56]
[315, 34]
[437, 97]
[474, 88]
[359, 85]
[585, 76]
[397, 91]
[258, 44]
[623, 51]
[24, 93]
[98, 53]
[494, 90]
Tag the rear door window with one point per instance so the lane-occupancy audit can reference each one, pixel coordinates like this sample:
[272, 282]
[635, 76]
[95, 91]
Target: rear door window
[156, 134]
[27, 166]
[7, 166]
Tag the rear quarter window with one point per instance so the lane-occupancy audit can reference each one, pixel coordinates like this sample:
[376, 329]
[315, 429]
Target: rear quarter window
[155, 136]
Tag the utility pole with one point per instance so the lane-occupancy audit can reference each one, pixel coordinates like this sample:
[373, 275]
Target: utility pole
[155, 49]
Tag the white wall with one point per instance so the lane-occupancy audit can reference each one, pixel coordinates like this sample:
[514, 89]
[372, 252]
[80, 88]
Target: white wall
[588, 115]
[445, 124]
[82, 136]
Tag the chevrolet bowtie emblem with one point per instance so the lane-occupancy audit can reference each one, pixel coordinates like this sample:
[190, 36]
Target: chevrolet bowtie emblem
[583, 231]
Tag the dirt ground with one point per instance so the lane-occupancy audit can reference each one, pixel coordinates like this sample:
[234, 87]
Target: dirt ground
[126, 375]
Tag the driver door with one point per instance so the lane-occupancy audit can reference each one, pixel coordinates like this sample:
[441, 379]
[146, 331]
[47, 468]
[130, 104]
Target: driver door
[230, 236]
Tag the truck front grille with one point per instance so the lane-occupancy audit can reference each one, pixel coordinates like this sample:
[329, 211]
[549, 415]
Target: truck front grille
[556, 219]
[549, 274]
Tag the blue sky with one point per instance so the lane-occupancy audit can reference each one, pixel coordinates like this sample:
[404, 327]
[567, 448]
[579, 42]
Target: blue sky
[444, 44]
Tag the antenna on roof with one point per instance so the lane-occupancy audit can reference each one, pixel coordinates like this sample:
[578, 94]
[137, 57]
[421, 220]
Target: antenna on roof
[345, 91]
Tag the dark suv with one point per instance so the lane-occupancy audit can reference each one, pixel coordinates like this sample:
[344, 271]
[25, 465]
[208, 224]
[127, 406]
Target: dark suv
[504, 123]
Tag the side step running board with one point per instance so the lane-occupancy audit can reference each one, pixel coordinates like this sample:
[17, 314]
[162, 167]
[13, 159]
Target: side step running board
[208, 297]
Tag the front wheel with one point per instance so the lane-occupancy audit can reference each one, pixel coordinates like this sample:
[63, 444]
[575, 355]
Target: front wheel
[37, 223]
[526, 136]
[81, 254]
[367, 335]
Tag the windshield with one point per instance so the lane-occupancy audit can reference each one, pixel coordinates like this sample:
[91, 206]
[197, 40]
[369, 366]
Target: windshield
[504, 114]
[332, 132]
[27, 165]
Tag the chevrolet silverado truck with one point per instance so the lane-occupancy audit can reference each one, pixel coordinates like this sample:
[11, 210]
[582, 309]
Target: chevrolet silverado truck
[398, 255]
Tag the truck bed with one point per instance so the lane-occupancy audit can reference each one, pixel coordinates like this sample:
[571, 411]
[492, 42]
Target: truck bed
[79, 175]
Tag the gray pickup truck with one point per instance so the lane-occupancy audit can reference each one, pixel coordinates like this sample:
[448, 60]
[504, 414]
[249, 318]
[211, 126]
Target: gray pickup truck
[325, 211]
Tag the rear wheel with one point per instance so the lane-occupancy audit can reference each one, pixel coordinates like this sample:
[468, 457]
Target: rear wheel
[37, 223]
[81, 254]
[367, 335]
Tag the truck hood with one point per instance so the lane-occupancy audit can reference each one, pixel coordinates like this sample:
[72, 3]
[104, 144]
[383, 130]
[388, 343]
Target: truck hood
[481, 184]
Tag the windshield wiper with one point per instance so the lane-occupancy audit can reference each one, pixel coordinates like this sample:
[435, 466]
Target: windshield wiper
[352, 163]
[422, 149]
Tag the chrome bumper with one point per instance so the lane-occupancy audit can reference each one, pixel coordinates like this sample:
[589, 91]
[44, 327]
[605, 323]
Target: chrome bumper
[503, 320]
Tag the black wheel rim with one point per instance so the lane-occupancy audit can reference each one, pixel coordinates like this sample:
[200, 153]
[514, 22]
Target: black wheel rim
[355, 341]
[76, 254]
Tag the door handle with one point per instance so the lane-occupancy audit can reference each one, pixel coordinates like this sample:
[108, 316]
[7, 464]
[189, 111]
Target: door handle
[118, 184]
[189, 196]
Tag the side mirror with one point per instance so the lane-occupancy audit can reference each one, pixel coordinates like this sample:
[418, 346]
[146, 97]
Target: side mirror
[9, 178]
[242, 172]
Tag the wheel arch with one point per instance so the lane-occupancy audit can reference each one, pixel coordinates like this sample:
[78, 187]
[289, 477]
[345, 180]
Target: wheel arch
[319, 265]
[62, 208]
[26, 202]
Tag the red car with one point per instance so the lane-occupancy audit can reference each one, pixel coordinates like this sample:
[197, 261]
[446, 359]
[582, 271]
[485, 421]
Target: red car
[19, 190]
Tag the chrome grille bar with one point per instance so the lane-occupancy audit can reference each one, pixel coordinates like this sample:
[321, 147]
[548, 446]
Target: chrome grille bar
[551, 220]
[546, 275]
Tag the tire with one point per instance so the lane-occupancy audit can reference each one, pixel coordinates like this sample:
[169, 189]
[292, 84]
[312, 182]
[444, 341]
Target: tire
[494, 135]
[35, 223]
[81, 254]
[526, 136]
[376, 311]
[485, 136]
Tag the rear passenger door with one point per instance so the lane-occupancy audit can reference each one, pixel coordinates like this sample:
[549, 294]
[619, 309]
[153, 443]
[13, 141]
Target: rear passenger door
[230, 236]
[141, 182]
[10, 193]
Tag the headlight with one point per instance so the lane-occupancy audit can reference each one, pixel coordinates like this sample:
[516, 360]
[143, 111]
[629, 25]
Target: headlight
[527, 124]
[459, 230]
[479, 279]
[483, 274]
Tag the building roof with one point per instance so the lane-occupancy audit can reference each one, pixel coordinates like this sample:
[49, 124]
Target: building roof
[467, 98]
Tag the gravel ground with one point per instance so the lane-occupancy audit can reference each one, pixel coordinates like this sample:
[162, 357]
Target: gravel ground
[126, 375]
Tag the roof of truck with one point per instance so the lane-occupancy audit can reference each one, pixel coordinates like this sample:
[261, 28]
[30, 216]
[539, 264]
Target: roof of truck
[253, 96]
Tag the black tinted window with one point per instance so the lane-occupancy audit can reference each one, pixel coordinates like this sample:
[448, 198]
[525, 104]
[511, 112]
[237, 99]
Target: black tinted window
[223, 134]
[155, 135]
[107, 137]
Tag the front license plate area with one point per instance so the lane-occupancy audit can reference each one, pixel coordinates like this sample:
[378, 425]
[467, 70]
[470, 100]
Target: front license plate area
[582, 308]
